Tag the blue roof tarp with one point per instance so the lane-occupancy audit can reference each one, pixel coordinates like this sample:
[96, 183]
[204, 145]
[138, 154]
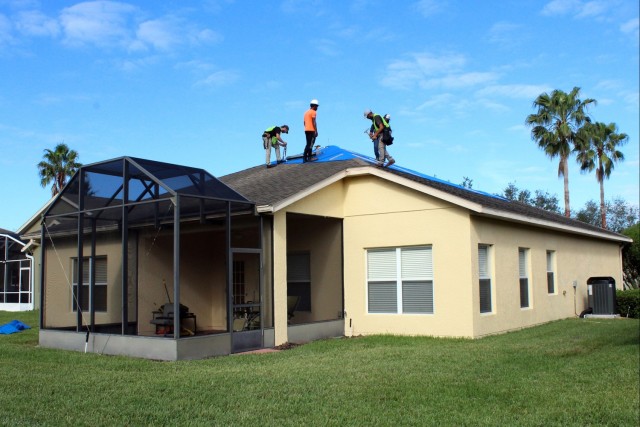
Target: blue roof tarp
[13, 327]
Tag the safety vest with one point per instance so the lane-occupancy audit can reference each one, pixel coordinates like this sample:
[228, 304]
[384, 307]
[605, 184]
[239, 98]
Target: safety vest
[274, 140]
[384, 122]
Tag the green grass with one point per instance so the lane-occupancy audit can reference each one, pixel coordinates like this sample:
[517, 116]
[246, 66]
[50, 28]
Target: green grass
[571, 372]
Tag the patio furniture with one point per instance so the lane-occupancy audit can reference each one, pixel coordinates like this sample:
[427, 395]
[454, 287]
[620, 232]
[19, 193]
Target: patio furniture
[163, 319]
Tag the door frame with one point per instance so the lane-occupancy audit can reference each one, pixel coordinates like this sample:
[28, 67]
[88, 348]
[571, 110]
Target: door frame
[250, 339]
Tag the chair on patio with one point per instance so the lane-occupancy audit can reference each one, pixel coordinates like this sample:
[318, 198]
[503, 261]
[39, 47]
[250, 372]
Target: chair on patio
[163, 319]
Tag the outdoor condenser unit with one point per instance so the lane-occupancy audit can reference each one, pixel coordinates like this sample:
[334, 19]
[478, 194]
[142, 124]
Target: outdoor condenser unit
[602, 295]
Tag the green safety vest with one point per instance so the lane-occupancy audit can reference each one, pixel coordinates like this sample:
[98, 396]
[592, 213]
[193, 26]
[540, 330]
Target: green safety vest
[274, 140]
[384, 122]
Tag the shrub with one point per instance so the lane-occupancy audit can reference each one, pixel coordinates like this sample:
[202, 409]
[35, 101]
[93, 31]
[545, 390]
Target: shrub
[628, 302]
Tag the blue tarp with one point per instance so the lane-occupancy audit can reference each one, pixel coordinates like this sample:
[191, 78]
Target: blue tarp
[12, 327]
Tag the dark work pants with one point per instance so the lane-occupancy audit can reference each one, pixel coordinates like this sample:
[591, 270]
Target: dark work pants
[308, 149]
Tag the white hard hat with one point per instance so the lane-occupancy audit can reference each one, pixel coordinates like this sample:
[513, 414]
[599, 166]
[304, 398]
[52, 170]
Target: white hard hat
[367, 112]
[314, 102]
[387, 116]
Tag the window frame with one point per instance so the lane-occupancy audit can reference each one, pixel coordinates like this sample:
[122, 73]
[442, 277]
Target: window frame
[552, 289]
[523, 275]
[486, 277]
[86, 285]
[405, 271]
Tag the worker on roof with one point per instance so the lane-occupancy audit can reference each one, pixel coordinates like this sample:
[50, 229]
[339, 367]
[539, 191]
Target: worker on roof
[271, 139]
[310, 130]
[381, 134]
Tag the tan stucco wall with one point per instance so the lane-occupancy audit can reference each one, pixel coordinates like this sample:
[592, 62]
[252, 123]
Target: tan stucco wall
[322, 239]
[58, 295]
[577, 259]
[383, 214]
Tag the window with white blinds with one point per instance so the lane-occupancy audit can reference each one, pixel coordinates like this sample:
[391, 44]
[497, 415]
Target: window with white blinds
[485, 279]
[524, 277]
[100, 289]
[551, 285]
[400, 280]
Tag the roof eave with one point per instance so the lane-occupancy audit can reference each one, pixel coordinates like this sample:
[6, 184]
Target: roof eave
[513, 217]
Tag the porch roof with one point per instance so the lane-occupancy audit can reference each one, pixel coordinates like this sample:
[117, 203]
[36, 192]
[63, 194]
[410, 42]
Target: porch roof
[146, 187]
[275, 188]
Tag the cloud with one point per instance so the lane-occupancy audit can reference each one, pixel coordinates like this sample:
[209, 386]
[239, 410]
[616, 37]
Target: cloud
[219, 78]
[429, 8]
[577, 8]
[420, 68]
[35, 23]
[505, 34]
[114, 24]
[100, 23]
[5, 30]
[631, 28]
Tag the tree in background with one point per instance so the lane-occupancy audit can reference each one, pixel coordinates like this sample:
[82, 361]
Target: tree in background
[631, 258]
[57, 166]
[467, 182]
[620, 214]
[597, 147]
[555, 125]
[541, 199]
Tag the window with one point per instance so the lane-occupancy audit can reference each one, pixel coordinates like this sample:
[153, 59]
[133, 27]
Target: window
[485, 279]
[524, 277]
[100, 288]
[400, 280]
[239, 292]
[299, 279]
[551, 285]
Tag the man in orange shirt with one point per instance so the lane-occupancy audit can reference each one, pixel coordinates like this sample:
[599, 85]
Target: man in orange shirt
[310, 130]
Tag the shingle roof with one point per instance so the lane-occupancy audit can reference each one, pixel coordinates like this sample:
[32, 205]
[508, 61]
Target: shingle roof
[270, 186]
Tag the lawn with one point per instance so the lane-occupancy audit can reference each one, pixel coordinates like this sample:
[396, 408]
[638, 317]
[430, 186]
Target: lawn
[571, 372]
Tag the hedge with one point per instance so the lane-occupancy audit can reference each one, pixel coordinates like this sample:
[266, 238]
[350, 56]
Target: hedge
[628, 302]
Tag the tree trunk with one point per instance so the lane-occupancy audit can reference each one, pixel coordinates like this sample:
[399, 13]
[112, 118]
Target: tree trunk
[603, 213]
[565, 169]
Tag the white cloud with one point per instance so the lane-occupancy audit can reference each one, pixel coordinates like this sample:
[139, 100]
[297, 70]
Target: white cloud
[219, 78]
[429, 7]
[631, 28]
[577, 8]
[100, 23]
[459, 80]
[35, 23]
[505, 34]
[5, 30]
[420, 68]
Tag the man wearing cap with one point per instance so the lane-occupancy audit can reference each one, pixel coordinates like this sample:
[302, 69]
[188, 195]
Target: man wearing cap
[271, 138]
[310, 129]
[379, 124]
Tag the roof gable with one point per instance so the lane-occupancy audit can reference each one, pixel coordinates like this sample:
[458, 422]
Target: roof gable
[274, 188]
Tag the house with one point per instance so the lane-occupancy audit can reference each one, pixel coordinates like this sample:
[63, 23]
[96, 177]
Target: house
[16, 280]
[335, 247]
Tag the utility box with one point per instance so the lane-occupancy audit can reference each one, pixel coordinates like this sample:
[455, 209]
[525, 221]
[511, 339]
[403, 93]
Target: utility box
[602, 295]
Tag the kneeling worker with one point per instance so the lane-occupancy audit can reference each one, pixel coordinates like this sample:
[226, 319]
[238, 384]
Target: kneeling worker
[271, 138]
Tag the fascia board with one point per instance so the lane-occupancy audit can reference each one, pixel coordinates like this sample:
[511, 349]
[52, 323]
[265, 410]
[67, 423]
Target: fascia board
[375, 171]
[512, 217]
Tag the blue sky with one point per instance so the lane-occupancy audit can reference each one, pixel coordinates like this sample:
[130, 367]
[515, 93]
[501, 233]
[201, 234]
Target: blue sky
[196, 83]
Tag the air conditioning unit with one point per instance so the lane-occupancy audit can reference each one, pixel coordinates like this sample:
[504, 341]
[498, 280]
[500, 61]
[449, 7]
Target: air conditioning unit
[602, 295]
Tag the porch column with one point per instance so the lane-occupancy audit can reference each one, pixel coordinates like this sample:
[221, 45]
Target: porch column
[280, 277]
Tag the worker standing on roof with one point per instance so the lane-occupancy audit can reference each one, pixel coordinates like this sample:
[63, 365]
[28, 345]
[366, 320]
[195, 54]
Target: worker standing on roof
[310, 130]
[380, 128]
[271, 138]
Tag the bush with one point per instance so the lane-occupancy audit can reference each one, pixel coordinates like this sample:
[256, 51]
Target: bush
[628, 302]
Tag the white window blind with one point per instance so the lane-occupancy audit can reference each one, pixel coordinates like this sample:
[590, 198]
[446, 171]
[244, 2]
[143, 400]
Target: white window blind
[400, 280]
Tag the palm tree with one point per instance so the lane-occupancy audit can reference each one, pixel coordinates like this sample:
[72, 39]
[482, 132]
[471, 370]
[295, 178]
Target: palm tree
[57, 165]
[598, 143]
[554, 127]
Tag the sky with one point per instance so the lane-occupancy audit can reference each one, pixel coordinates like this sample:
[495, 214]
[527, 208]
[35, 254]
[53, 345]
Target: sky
[196, 82]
